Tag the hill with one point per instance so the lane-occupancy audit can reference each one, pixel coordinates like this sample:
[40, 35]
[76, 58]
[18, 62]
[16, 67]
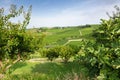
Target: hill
[61, 35]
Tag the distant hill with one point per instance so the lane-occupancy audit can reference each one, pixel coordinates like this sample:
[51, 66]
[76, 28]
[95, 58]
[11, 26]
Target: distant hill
[60, 35]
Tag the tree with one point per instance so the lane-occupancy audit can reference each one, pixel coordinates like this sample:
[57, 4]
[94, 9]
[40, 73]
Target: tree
[103, 55]
[66, 52]
[108, 40]
[53, 53]
[15, 43]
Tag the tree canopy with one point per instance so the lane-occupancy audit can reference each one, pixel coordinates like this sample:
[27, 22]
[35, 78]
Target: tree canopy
[15, 42]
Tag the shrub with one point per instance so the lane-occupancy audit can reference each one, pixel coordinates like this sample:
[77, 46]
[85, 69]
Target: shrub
[52, 53]
[75, 48]
[108, 36]
[103, 56]
[66, 52]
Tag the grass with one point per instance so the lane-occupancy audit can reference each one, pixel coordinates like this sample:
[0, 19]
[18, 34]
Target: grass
[46, 71]
[61, 36]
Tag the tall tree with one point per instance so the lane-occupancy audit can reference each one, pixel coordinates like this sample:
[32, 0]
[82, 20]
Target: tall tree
[15, 43]
[108, 36]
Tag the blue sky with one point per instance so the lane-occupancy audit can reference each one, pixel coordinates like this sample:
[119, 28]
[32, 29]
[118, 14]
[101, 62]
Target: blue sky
[49, 13]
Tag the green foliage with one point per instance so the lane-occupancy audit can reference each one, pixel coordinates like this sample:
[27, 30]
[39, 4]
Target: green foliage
[103, 55]
[108, 35]
[15, 42]
[13, 38]
[53, 53]
[66, 53]
[75, 48]
[87, 57]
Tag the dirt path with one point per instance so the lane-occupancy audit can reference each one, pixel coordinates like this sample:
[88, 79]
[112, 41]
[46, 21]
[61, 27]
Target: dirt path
[43, 60]
[72, 40]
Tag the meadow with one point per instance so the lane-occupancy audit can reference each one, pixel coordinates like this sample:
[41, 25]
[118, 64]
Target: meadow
[47, 71]
[61, 35]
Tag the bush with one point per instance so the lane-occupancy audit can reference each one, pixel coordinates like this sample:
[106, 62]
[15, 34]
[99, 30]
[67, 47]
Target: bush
[108, 36]
[103, 56]
[66, 52]
[52, 53]
[75, 48]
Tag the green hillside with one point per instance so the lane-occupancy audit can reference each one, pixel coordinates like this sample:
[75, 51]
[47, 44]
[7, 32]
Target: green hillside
[62, 35]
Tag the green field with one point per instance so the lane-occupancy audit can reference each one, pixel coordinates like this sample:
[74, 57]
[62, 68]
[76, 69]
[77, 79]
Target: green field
[47, 71]
[60, 36]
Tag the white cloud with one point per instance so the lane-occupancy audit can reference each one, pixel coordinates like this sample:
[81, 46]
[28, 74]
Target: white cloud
[73, 16]
[85, 13]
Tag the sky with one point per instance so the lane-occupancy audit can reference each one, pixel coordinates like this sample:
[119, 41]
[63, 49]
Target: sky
[52, 13]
